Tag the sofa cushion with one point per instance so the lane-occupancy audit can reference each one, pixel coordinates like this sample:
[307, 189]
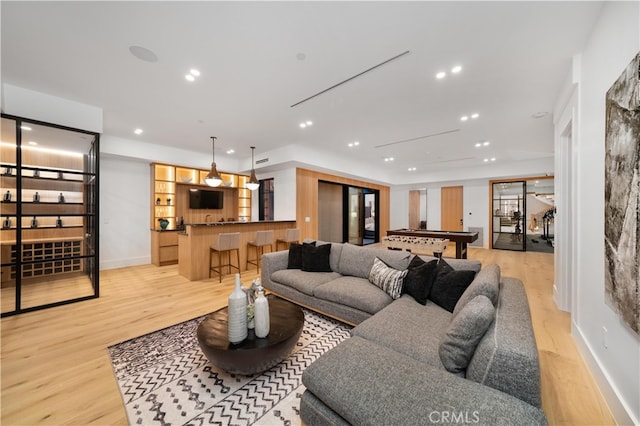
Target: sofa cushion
[316, 258]
[336, 251]
[357, 261]
[449, 285]
[302, 281]
[387, 278]
[464, 333]
[295, 256]
[355, 292]
[457, 264]
[486, 282]
[419, 279]
[408, 327]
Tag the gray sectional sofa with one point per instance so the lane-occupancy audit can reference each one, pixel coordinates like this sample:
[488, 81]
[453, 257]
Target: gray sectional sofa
[396, 369]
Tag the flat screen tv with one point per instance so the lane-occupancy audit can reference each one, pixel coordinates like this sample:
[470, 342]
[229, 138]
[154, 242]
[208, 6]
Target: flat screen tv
[205, 199]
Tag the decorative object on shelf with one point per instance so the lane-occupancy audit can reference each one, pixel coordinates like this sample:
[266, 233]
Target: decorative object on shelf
[61, 198]
[7, 196]
[237, 322]
[6, 223]
[261, 315]
[36, 197]
[158, 201]
[186, 180]
[60, 175]
[36, 173]
[34, 222]
[163, 223]
[168, 201]
[180, 225]
[253, 183]
[8, 171]
[58, 222]
[213, 178]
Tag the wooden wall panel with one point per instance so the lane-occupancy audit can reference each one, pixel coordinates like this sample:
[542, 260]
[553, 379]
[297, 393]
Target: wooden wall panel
[307, 200]
[451, 214]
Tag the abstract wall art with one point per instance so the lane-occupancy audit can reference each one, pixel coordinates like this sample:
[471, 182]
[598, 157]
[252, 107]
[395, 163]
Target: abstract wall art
[622, 196]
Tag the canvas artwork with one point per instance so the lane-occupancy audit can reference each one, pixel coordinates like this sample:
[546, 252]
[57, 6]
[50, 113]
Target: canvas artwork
[622, 196]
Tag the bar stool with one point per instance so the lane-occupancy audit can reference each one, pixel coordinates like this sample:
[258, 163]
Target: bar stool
[263, 238]
[225, 244]
[291, 235]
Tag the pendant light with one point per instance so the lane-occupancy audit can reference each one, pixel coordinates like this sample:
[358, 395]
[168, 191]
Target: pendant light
[253, 183]
[213, 178]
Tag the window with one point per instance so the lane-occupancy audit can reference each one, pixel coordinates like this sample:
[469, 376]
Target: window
[265, 200]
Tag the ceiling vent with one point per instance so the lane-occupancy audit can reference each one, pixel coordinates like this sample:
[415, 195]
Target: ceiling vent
[264, 160]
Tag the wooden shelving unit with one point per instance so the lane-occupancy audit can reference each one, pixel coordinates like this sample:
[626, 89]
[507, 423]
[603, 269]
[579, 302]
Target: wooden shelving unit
[170, 185]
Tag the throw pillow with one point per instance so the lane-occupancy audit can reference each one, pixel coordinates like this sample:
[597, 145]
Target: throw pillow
[295, 254]
[465, 332]
[420, 278]
[387, 278]
[486, 282]
[449, 285]
[316, 259]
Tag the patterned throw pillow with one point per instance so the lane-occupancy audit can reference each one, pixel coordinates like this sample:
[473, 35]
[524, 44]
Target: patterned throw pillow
[387, 278]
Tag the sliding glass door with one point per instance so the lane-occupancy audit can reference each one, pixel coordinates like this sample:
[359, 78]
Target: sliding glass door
[508, 215]
[360, 220]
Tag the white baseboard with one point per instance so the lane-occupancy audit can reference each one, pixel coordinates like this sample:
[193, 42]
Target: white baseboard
[123, 263]
[622, 414]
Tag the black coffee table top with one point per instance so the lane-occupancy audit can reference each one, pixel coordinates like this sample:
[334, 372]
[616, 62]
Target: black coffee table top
[252, 354]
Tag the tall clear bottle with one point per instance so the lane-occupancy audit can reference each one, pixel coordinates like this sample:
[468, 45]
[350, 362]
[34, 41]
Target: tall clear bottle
[261, 315]
[237, 326]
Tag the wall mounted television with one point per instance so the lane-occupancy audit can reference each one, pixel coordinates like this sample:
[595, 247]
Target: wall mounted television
[205, 199]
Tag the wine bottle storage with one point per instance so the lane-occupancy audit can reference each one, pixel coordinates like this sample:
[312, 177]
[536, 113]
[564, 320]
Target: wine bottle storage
[48, 211]
[48, 258]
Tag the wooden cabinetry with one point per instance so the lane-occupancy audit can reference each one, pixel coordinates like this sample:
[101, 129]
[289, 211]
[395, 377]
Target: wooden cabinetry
[170, 187]
[48, 210]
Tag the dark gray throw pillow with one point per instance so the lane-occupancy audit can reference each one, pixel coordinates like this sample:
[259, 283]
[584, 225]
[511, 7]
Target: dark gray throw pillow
[316, 259]
[295, 255]
[419, 279]
[465, 332]
[449, 285]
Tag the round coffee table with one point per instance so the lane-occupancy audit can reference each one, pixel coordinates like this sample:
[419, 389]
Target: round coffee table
[253, 354]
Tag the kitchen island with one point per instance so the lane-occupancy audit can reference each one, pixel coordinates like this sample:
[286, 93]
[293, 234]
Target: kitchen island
[195, 240]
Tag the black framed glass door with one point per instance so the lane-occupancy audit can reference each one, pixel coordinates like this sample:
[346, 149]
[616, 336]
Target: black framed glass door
[509, 210]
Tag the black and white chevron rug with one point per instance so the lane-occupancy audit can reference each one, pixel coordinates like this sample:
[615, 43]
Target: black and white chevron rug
[165, 379]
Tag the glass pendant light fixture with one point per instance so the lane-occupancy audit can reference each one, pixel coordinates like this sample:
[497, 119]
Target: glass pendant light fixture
[213, 178]
[253, 183]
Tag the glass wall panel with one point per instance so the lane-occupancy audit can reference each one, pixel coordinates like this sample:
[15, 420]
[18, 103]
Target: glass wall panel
[509, 213]
[53, 249]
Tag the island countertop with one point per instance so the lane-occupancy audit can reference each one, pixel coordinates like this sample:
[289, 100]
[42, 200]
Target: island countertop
[194, 242]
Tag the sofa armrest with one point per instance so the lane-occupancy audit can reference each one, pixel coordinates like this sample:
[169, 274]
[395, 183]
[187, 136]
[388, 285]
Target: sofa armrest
[365, 383]
[272, 262]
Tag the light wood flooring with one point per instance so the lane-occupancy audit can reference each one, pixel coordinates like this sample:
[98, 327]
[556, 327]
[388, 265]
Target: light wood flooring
[56, 369]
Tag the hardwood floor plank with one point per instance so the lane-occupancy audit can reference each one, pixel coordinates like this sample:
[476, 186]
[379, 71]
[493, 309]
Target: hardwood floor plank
[56, 369]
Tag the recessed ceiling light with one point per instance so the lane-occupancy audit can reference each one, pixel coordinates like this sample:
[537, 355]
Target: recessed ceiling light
[493, 158]
[303, 125]
[486, 143]
[478, 145]
[356, 143]
[143, 54]
[309, 123]
[27, 128]
[486, 160]
[456, 69]
[475, 115]
[441, 75]
[230, 151]
[411, 169]
[138, 131]
[388, 159]
[189, 77]
[464, 118]
[194, 72]
[33, 143]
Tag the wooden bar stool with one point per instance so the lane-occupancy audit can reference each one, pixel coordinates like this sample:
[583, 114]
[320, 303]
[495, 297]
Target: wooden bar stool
[263, 238]
[226, 243]
[291, 235]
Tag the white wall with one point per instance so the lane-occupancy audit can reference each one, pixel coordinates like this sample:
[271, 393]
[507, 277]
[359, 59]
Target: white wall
[284, 194]
[475, 205]
[124, 212]
[613, 43]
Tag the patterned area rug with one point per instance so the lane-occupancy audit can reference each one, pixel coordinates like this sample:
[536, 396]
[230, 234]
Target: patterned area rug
[165, 379]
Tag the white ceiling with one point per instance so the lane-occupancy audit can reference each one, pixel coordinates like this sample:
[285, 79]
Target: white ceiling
[515, 58]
